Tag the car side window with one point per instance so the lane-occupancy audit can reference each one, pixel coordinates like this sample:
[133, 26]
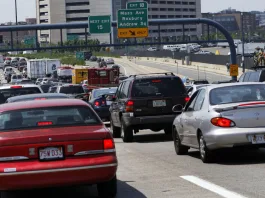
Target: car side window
[199, 100]
[125, 90]
[254, 77]
[118, 93]
[190, 91]
[190, 105]
[246, 78]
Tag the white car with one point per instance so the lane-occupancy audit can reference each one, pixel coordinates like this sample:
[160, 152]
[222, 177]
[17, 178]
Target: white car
[16, 78]
[44, 81]
[8, 71]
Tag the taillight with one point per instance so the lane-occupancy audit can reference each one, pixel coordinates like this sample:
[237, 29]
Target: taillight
[129, 106]
[222, 122]
[16, 87]
[97, 103]
[108, 144]
[187, 99]
[44, 123]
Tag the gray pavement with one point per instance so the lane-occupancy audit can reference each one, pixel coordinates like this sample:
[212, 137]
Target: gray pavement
[149, 167]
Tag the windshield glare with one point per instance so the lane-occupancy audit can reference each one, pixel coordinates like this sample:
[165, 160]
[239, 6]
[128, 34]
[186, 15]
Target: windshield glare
[236, 94]
[47, 117]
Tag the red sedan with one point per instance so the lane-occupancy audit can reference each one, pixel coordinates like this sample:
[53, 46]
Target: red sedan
[49, 143]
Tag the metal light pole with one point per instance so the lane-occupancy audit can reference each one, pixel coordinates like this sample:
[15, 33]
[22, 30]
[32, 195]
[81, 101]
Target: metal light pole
[16, 21]
[243, 42]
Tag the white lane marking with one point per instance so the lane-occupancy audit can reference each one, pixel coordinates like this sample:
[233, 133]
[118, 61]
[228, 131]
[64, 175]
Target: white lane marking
[125, 71]
[212, 187]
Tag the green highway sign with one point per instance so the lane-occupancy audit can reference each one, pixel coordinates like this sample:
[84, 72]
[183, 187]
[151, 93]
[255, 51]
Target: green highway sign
[80, 55]
[137, 5]
[29, 40]
[72, 37]
[133, 18]
[99, 24]
[133, 23]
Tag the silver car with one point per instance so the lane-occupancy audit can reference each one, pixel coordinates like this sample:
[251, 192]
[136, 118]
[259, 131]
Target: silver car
[221, 116]
[192, 89]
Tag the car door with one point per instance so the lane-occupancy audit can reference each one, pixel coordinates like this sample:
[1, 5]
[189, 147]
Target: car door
[196, 117]
[114, 108]
[185, 119]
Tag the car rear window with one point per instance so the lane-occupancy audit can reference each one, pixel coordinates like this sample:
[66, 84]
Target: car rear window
[165, 87]
[38, 98]
[7, 93]
[72, 90]
[236, 94]
[100, 92]
[48, 117]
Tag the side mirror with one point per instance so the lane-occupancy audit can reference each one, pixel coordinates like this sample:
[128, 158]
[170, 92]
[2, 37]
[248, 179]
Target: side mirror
[177, 108]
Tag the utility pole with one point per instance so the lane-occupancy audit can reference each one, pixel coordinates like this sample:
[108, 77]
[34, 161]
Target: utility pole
[243, 42]
[16, 21]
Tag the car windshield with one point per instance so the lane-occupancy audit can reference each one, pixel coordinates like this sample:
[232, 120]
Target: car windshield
[100, 92]
[72, 90]
[235, 94]
[47, 117]
[166, 87]
[7, 93]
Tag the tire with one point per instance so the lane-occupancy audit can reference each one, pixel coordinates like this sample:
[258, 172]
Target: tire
[108, 189]
[179, 148]
[116, 131]
[168, 131]
[205, 154]
[126, 132]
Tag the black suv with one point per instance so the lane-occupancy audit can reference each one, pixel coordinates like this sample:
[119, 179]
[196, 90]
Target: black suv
[145, 102]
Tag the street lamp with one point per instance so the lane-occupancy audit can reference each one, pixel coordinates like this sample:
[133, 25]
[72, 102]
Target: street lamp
[16, 21]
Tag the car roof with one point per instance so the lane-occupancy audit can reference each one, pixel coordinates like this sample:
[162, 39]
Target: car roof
[43, 95]
[150, 76]
[41, 104]
[105, 88]
[23, 86]
[213, 86]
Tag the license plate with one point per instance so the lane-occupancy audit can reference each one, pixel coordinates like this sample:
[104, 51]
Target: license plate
[257, 139]
[51, 153]
[159, 103]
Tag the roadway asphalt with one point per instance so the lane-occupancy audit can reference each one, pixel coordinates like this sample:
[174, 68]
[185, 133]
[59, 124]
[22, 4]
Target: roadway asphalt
[149, 168]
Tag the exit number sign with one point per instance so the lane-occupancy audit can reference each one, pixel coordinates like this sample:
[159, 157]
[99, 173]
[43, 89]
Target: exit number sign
[99, 24]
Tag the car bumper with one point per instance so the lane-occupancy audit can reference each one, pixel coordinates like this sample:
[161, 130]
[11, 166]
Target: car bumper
[84, 174]
[161, 119]
[232, 137]
[103, 113]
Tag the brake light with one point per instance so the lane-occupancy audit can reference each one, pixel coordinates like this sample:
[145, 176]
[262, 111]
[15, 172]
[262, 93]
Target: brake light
[187, 99]
[156, 81]
[222, 122]
[108, 144]
[129, 106]
[44, 123]
[97, 103]
[15, 87]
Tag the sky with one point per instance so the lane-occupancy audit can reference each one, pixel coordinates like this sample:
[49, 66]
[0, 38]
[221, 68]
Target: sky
[26, 8]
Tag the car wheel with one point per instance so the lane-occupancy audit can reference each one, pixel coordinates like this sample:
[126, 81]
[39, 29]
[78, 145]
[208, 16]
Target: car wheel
[179, 148]
[108, 189]
[168, 131]
[116, 131]
[205, 154]
[126, 132]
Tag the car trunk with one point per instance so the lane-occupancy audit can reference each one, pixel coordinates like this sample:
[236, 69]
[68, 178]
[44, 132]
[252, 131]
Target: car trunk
[157, 96]
[27, 143]
[245, 115]
[156, 106]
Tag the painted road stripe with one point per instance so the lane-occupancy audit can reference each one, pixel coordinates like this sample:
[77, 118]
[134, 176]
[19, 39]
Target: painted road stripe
[212, 187]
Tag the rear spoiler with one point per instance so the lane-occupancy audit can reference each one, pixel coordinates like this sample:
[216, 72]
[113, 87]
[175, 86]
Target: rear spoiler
[241, 106]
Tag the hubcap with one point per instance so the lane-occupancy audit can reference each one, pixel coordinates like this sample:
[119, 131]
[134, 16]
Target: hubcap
[202, 148]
